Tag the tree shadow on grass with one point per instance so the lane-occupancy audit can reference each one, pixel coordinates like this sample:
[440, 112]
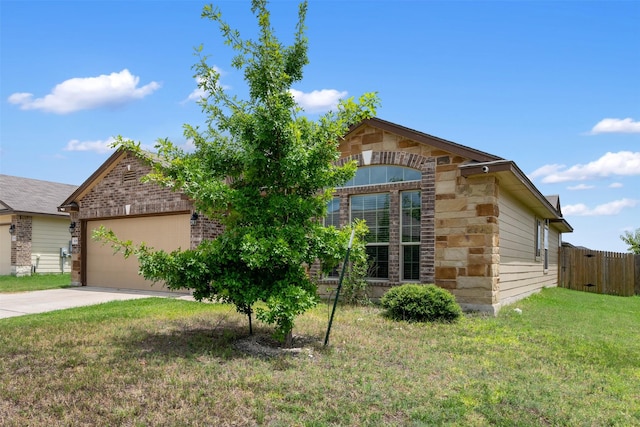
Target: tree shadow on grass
[223, 338]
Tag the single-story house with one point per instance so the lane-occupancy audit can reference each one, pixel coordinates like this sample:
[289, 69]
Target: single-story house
[34, 235]
[438, 212]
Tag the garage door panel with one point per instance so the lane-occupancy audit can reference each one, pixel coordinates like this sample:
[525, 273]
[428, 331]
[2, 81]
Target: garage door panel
[104, 268]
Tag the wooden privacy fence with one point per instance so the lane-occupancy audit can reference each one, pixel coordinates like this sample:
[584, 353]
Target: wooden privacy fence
[610, 273]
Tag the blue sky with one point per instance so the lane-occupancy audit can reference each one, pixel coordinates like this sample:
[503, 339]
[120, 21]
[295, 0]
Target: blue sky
[554, 86]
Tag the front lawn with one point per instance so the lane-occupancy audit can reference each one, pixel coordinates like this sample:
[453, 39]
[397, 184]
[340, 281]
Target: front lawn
[35, 282]
[569, 359]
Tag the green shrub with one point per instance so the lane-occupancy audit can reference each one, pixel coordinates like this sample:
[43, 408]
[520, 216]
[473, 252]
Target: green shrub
[421, 303]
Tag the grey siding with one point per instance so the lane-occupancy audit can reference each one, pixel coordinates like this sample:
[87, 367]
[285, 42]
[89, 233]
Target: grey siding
[49, 235]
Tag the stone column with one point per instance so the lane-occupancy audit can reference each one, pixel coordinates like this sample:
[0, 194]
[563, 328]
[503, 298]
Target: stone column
[467, 239]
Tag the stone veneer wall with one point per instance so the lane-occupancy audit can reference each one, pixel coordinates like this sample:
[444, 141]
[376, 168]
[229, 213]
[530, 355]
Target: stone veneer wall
[121, 187]
[21, 246]
[467, 240]
[466, 259]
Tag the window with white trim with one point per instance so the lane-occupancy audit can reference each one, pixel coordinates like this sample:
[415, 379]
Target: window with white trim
[410, 234]
[383, 174]
[546, 245]
[333, 213]
[374, 209]
[333, 219]
[538, 239]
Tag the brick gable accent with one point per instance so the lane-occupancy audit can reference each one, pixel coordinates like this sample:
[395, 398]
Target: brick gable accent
[119, 194]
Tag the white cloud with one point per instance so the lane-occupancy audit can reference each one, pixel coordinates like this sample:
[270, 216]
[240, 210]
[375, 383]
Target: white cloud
[199, 93]
[622, 163]
[616, 185]
[318, 100]
[85, 93]
[195, 95]
[627, 125]
[96, 146]
[581, 187]
[189, 146]
[611, 208]
[546, 170]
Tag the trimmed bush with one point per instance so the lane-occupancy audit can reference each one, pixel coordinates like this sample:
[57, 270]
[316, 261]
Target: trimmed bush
[421, 303]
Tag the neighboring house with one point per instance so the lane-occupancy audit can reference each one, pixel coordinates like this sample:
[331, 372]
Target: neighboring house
[34, 235]
[438, 212]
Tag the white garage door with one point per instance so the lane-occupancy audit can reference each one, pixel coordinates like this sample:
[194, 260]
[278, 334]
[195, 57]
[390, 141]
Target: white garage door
[167, 232]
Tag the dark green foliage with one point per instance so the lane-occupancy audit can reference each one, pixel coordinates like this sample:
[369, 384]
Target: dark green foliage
[264, 171]
[421, 303]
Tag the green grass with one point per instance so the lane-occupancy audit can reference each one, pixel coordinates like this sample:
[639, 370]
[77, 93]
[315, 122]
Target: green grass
[570, 359]
[35, 282]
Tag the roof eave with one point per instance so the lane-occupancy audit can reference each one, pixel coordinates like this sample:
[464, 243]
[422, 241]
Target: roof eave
[29, 213]
[508, 168]
[424, 138]
[562, 225]
[91, 181]
[70, 207]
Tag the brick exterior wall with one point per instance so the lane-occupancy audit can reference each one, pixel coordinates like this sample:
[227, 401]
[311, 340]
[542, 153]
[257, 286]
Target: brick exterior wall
[120, 193]
[205, 229]
[459, 217]
[21, 246]
[76, 249]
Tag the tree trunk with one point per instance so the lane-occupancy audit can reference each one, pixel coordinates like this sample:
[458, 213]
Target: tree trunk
[288, 339]
[248, 312]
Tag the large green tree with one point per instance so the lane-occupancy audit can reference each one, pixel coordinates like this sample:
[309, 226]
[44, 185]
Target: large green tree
[262, 169]
[633, 240]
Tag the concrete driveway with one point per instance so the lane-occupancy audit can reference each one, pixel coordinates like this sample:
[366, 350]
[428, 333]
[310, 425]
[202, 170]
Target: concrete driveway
[22, 303]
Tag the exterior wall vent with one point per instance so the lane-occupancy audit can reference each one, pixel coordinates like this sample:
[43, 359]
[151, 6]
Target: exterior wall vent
[129, 177]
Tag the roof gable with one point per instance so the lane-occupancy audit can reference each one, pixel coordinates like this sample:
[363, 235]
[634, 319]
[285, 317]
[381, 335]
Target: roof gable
[120, 155]
[475, 162]
[554, 200]
[92, 181]
[424, 138]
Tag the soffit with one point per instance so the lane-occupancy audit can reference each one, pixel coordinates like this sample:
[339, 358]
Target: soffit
[512, 180]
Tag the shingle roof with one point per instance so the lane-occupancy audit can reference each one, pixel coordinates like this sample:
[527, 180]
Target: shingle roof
[554, 199]
[25, 195]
